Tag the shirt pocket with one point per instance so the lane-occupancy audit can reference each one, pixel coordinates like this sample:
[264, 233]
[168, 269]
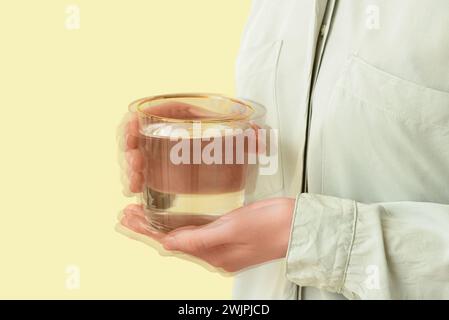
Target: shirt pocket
[385, 138]
[256, 80]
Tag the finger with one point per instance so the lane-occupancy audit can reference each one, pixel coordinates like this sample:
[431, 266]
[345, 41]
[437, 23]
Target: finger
[124, 130]
[198, 239]
[132, 132]
[134, 209]
[139, 224]
[211, 225]
[137, 210]
[136, 182]
[131, 209]
[132, 127]
[135, 160]
[213, 256]
[230, 258]
[132, 142]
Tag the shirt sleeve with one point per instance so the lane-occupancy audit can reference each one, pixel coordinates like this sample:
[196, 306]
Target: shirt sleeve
[397, 250]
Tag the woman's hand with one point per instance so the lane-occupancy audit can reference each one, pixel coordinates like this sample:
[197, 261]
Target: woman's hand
[134, 158]
[248, 236]
[135, 161]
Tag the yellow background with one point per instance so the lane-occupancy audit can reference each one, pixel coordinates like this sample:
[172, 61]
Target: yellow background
[62, 95]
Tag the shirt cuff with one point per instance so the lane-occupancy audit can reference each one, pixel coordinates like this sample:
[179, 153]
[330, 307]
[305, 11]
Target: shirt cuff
[321, 241]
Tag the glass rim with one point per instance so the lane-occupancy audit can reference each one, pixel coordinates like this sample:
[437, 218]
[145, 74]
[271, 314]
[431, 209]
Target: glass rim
[253, 112]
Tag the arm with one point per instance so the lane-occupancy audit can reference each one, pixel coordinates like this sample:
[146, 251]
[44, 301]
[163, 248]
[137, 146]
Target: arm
[376, 251]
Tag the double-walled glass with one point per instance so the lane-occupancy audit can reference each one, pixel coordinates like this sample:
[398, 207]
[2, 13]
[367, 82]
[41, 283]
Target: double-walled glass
[200, 156]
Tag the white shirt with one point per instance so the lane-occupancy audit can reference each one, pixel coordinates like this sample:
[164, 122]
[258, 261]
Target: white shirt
[359, 91]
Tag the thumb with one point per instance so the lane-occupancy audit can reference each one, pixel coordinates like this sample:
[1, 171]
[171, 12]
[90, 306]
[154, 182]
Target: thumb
[198, 239]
